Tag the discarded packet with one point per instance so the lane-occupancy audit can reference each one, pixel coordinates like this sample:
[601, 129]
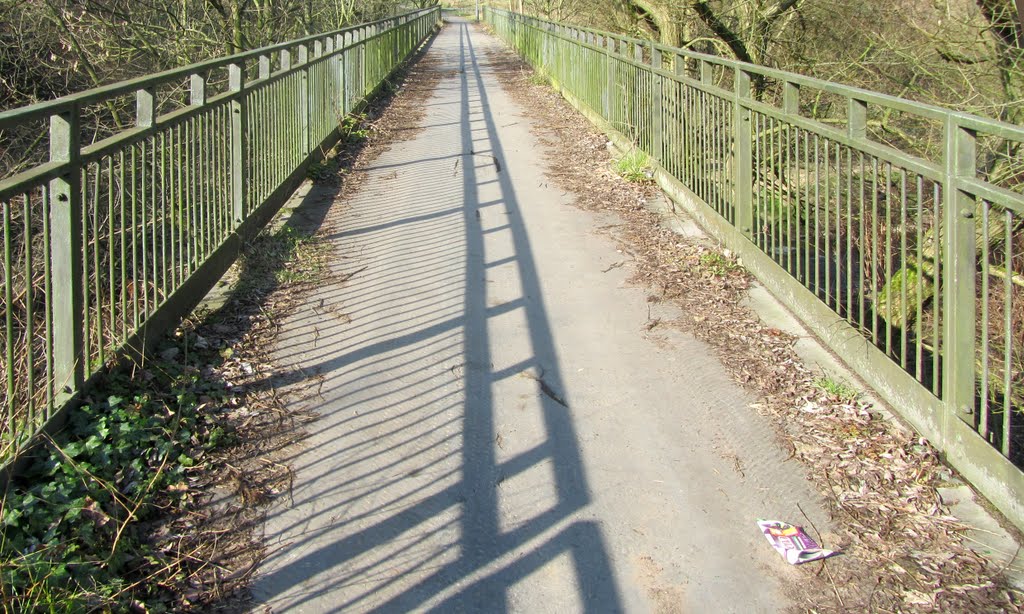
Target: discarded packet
[792, 543]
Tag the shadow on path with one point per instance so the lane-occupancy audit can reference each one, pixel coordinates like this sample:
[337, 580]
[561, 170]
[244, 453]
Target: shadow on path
[413, 469]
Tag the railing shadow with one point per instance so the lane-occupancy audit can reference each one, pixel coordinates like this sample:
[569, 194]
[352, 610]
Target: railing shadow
[402, 506]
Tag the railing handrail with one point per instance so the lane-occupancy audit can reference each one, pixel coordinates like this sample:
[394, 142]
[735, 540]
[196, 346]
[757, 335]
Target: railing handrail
[46, 108]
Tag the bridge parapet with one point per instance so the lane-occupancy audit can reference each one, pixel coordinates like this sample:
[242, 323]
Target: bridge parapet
[108, 243]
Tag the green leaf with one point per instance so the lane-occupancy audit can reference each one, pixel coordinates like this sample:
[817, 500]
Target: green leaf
[11, 516]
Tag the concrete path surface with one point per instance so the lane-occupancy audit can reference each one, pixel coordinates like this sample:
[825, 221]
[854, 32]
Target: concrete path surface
[498, 430]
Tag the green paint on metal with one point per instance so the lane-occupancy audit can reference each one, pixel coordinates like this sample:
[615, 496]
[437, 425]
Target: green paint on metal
[131, 231]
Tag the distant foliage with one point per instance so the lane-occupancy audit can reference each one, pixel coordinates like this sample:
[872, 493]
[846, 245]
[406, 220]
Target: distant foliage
[965, 54]
[49, 48]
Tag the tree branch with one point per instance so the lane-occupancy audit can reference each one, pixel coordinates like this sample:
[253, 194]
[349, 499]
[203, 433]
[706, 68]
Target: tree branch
[722, 31]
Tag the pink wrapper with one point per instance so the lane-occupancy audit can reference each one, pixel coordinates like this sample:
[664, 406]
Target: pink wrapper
[791, 542]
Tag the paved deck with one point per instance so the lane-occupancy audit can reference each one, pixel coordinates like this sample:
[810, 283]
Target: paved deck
[499, 431]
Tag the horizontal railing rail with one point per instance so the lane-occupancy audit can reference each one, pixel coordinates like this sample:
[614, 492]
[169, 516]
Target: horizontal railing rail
[106, 244]
[893, 228]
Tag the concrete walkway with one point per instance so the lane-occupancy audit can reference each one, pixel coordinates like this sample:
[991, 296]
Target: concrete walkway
[499, 430]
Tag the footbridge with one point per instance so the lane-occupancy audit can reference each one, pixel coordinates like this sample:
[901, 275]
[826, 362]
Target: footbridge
[497, 429]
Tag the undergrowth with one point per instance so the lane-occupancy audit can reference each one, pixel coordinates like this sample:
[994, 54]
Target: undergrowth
[80, 528]
[321, 170]
[69, 538]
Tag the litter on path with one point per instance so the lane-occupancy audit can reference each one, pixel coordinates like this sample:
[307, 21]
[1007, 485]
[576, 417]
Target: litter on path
[792, 542]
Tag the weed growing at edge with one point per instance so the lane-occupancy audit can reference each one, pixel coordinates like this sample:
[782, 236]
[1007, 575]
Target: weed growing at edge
[354, 130]
[839, 389]
[324, 169]
[717, 264]
[634, 165]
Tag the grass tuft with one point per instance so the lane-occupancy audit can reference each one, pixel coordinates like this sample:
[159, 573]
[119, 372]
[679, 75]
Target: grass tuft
[635, 166]
[716, 264]
[836, 388]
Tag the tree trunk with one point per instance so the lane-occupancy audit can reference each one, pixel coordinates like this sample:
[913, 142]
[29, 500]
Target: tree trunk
[664, 18]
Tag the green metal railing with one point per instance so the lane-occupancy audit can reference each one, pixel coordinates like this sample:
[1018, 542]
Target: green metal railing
[105, 245]
[905, 258]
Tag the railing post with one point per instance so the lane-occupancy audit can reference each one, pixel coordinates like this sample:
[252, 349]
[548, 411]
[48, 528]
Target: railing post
[304, 99]
[193, 198]
[609, 45]
[66, 253]
[791, 100]
[339, 68]
[239, 143]
[707, 72]
[403, 38]
[332, 77]
[679, 152]
[856, 118]
[960, 313]
[145, 115]
[743, 195]
[264, 67]
[362, 61]
[145, 108]
[197, 90]
[346, 89]
[396, 42]
[657, 87]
